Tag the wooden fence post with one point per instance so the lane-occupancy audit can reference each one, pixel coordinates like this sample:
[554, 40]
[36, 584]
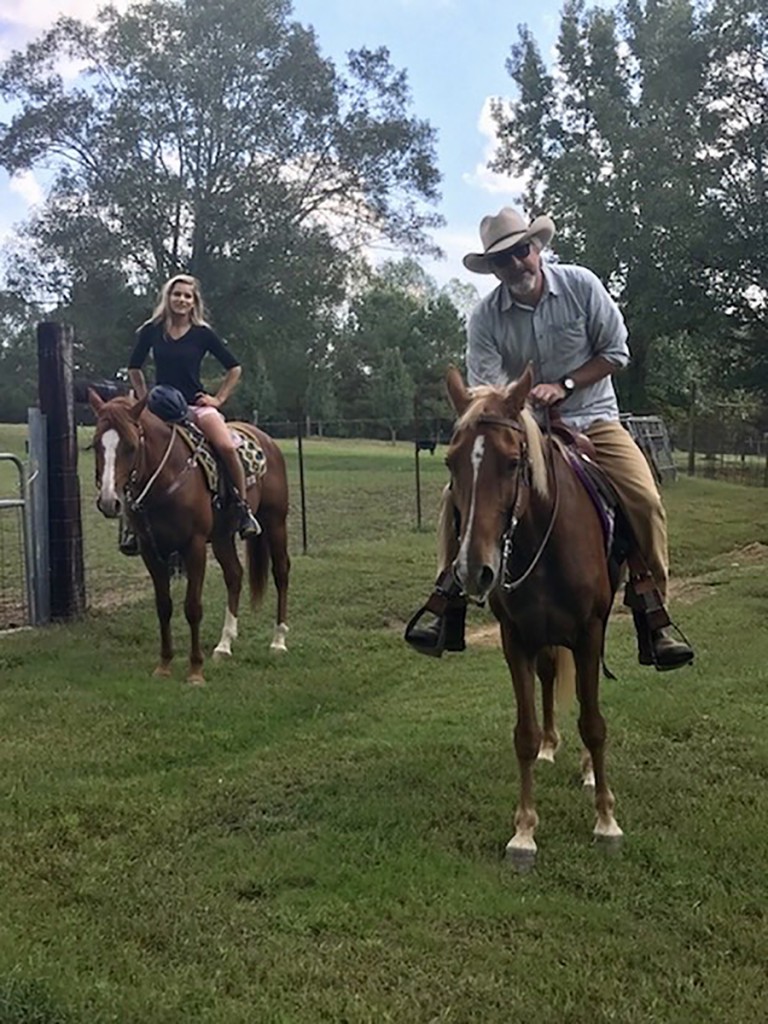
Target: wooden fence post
[65, 530]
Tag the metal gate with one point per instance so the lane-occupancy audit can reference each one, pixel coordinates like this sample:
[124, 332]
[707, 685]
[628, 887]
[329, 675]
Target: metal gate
[24, 558]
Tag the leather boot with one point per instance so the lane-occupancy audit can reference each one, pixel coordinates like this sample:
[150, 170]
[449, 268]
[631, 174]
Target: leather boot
[445, 630]
[658, 647]
[442, 633]
[247, 523]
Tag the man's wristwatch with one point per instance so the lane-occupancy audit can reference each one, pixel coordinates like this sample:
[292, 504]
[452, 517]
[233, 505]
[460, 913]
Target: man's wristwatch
[568, 384]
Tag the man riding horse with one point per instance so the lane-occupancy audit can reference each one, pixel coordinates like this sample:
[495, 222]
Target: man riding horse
[561, 319]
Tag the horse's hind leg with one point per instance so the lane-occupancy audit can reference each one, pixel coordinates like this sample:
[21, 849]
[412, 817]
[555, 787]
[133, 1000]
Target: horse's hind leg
[225, 551]
[593, 732]
[277, 535]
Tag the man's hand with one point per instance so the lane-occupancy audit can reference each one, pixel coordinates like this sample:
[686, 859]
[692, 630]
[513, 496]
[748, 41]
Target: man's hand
[548, 394]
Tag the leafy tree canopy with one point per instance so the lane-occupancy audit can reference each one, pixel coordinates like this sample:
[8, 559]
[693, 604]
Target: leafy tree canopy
[212, 136]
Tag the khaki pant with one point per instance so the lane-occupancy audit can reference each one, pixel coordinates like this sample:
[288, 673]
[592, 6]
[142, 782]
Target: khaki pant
[626, 467]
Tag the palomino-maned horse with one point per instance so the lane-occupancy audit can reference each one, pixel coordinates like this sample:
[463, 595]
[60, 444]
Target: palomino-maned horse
[532, 544]
[144, 462]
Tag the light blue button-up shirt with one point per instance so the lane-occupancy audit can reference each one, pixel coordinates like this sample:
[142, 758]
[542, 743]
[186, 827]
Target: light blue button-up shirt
[574, 320]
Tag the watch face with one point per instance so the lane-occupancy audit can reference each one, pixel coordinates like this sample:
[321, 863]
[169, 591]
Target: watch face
[568, 384]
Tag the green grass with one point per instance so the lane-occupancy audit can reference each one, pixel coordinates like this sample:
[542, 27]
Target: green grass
[318, 838]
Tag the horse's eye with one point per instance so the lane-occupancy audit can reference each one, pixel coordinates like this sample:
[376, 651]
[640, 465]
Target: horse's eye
[512, 465]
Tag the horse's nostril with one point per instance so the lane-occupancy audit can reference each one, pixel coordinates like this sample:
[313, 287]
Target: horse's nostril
[487, 576]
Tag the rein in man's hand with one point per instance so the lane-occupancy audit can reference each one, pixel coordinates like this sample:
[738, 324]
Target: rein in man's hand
[548, 394]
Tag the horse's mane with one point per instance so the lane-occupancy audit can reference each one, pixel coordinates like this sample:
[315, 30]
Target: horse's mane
[487, 400]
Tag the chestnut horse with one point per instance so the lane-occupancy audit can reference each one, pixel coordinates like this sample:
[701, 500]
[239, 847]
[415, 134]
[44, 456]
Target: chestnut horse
[532, 544]
[144, 465]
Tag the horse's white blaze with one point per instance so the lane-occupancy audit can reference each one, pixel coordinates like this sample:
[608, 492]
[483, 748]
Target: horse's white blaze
[278, 638]
[478, 450]
[108, 496]
[228, 634]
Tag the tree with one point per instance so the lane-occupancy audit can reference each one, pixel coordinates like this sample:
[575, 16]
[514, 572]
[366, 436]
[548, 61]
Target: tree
[400, 309]
[735, 256]
[392, 392]
[212, 136]
[611, 145]
[18, 356]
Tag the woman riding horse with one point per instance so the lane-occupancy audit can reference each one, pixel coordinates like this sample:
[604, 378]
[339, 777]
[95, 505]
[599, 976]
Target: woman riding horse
[178, 337]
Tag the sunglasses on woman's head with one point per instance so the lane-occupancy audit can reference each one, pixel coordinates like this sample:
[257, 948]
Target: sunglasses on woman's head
[503, 259]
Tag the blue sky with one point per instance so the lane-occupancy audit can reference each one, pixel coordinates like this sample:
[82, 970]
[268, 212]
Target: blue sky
[454, 53]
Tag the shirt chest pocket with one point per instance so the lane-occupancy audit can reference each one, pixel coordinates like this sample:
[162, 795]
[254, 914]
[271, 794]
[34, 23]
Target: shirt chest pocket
[567, 346]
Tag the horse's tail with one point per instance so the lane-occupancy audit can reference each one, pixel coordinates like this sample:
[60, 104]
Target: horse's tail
[565, 678]
[257, 549]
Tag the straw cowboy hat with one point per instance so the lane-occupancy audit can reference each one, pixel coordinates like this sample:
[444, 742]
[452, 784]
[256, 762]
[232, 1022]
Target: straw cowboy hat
[504, 231]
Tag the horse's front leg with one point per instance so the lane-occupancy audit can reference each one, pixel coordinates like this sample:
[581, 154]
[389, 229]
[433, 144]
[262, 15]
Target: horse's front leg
[521, 848]
[226, 555]
[194, 562]
[158, 570]
[593, 732]
[546, 667]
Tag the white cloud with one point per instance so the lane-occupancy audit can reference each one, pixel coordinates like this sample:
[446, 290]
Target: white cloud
[29, 18]
[27, 187]
[482, 177]
[22, 20]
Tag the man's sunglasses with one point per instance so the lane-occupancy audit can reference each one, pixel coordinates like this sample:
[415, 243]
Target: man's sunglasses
[503, 259]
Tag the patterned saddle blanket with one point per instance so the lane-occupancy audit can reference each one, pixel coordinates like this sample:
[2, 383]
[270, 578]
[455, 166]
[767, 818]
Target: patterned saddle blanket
[251, 455]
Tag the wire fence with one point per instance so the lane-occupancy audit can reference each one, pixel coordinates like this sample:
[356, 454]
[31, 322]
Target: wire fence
[720, 447]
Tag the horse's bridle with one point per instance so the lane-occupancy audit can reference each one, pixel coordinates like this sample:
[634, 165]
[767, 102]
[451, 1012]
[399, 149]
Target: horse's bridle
[134, 476]
[519, 504]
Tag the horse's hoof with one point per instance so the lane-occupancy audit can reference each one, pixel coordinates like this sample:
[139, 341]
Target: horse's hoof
[278, 649]
[546, 754]
[221, 655]
[162, 672]
[196, 679]
[520, 859]
[609, 845]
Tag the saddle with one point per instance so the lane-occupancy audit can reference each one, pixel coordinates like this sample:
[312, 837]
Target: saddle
[641, 593]
[202, 454]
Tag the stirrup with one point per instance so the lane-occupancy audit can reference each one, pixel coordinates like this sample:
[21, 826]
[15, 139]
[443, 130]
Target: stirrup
[249, 524]
[446, 632]
[429, 639]
[129, 544]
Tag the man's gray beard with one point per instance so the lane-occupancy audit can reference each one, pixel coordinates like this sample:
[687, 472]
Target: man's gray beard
[524, 288]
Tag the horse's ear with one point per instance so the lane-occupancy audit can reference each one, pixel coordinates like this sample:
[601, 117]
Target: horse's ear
[136, 410]
[95, 401]
[457, 390]
[520, 390]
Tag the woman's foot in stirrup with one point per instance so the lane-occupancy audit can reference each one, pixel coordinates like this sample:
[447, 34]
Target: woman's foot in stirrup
[249, 524]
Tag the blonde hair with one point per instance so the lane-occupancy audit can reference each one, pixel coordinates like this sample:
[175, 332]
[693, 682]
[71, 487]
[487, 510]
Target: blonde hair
[162, 311]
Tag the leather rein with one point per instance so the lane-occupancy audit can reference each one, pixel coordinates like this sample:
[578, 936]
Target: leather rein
[519, 505]
[135, 474]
